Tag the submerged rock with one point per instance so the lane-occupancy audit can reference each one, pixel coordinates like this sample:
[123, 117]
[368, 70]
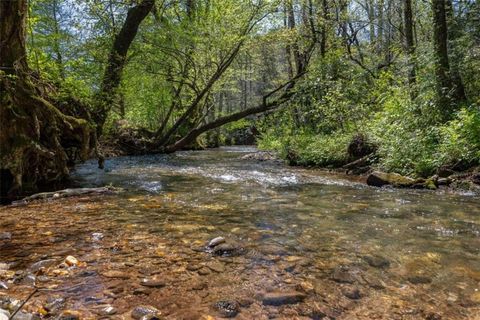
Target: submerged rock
[54, 304]
[374, 282]
[29, 280]
[193, 267]
[42, 264]
[277, 298]
[108, 310]
[203, 271]
[419, 279]
[70, 315]
[153, 282]
[433, 316]
[8, 303]
[216, 266]
[377, 261]
[352, 293]
[226, 249]
[145, 312]
[115, 274]
[141, 291]
[272, 249]
[227, 308]
[5, 235]
[197, 284]
[343, 275]
[380, 179]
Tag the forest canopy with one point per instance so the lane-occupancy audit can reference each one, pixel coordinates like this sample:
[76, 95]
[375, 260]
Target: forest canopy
[311, 77]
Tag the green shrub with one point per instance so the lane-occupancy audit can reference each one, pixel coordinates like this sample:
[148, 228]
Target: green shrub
[460, 138]
[311, 150]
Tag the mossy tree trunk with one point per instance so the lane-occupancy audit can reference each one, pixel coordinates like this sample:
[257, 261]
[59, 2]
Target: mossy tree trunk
[37, 140]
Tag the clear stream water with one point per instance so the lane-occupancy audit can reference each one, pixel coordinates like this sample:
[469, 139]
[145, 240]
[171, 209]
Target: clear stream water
[318, 245]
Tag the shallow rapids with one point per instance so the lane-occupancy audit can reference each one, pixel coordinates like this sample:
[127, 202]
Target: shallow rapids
[298, 244]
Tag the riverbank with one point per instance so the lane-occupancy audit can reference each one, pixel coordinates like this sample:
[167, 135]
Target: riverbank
[364, 170]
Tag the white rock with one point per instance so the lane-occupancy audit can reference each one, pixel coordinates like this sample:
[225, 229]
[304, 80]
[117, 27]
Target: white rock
[4, 314]
[216, 241]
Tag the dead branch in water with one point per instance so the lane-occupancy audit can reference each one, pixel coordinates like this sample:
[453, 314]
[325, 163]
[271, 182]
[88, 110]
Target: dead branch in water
[66, 193]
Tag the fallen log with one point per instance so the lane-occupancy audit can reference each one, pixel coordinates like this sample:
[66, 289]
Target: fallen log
[362, 162]
[66, 193]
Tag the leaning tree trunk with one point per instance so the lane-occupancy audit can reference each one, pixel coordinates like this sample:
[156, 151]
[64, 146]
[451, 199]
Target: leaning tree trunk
[108, 95]
[37, 140]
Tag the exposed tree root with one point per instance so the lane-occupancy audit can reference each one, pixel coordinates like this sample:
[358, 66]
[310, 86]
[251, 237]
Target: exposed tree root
[39, 142]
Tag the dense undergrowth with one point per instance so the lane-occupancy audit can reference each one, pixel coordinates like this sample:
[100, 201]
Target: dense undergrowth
[403, 147]
[411, 136]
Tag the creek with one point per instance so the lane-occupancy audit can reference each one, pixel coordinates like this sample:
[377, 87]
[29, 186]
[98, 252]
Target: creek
[297, 244]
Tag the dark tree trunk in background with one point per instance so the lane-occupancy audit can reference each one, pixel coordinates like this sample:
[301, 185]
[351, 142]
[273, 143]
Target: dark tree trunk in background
[442, 66]
[380, 27]
[410, 46]
[288, 48]
[12, 35]
[190, 8]
[37, 140]
[370, 7]
[453, 34]
[323, 41]
[56, 43]
[293, 49]
[108, 95]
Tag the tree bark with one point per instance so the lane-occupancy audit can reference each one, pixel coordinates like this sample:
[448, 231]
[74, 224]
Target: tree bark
[380, 26]
[442, 66]
[292, 49]
[56, 43]
[112, 77]
[453, 34]
[323, 41]
[370, 7]
[288, 47]
[410, 46]
[12, 35]
[37, 140]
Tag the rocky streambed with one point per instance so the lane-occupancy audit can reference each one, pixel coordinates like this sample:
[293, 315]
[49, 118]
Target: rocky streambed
[208, 235]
